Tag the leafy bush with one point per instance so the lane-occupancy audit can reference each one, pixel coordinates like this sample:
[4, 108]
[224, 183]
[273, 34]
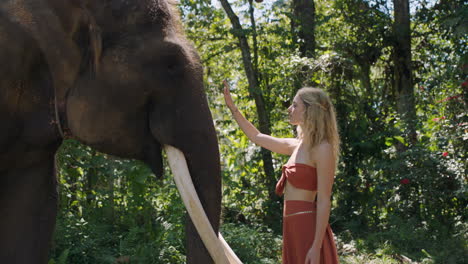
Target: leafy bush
[253, 244]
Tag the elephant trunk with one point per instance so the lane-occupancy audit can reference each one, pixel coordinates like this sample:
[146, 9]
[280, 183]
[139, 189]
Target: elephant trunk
[203, 162]
[186, 124]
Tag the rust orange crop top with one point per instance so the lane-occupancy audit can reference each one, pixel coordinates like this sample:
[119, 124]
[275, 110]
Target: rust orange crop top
[301, 176]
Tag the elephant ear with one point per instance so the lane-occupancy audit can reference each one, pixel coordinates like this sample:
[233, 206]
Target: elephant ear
[53, 24]
[38, 18]
[87, 34]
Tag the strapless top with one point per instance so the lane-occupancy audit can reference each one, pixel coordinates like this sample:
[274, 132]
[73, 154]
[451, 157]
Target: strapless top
[301, 176]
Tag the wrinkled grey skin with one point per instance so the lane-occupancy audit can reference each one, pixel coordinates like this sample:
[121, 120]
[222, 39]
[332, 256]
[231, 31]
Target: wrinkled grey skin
[126, 82]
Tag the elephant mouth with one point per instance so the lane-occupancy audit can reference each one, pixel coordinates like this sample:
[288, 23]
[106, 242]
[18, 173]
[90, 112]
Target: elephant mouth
[152, 150]
[153, 157]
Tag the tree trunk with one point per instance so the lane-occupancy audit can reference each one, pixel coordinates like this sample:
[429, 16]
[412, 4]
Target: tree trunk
[254, 89]
[111, 207]
[303, 25]
[303, 33]
[403, 72]
[254, 38]
[365, 80]
[90, 177]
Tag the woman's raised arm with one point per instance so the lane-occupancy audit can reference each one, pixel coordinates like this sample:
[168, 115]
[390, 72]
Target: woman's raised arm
[279, 145]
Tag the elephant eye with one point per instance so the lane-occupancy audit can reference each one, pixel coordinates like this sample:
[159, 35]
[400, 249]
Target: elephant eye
[171, 68]
[174, 68]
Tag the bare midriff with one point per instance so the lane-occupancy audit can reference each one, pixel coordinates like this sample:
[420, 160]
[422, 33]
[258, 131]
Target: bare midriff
[293, 193]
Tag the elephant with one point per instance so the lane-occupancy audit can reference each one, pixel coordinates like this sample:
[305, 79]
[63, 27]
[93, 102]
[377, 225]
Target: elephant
[117, 75]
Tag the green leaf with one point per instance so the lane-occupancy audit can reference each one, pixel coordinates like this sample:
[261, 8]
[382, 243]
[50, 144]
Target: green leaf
[63, 257]
[399, 138]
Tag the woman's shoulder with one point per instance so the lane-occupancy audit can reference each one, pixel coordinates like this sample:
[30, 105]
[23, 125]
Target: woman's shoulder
[321, 152]
[322, 147]
[325, 146]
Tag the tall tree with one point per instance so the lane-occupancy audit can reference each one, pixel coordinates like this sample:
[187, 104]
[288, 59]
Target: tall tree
[303, 24]
[255, 91]
[403, 81]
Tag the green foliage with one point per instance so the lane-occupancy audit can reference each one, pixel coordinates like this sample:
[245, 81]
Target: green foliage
[390, 199]
[253, 244]
[114, 210]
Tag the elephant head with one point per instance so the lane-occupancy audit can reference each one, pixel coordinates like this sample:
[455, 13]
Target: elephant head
[144, 89]
[123, 79]
[128, 82]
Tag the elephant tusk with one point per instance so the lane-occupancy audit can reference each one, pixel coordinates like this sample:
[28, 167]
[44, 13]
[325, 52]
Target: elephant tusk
[233, 259]
[217, 247]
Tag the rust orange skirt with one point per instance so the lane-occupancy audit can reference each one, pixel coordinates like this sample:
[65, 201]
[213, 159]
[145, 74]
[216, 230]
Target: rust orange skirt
[299, 231]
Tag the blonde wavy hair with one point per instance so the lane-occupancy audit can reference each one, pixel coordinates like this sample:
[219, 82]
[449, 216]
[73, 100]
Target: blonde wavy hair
[319, 120]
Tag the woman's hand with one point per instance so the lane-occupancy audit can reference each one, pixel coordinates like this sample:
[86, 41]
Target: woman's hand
[313, 256]
[227, 97]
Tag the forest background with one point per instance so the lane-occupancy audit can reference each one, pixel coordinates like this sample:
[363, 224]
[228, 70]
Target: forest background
[397, 74]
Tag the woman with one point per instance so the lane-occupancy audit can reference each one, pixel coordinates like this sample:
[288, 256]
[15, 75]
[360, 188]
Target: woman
[307, 177]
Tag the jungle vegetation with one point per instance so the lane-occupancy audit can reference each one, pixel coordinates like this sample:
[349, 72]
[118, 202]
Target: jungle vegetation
[398, 79]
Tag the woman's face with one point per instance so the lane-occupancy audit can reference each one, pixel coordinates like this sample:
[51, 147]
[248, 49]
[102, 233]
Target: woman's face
[296, 111]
